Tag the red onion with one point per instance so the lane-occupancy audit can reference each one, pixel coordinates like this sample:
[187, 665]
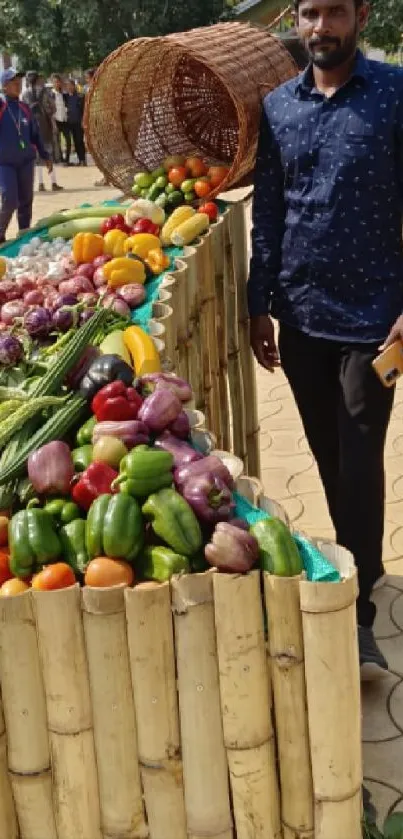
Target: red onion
[86, 269]
[133, 293]
[88, 299]
[12, 310]
[9, 291]
[99, 261]
[75, 285]
[11, 350]
[25, 284]
[99, 278]
[117, 305]
[38, 322]
[34, 298]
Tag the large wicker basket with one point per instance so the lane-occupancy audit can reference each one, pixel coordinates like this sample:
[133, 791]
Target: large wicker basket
[192, 92]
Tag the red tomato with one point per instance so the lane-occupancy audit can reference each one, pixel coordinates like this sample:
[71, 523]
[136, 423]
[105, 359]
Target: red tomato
[5, 573]
[52, 577]
[12, 587]
[177, 175]
[210, 209]
[202, 189]
[196, 167]
[217, 175]
[145, 225]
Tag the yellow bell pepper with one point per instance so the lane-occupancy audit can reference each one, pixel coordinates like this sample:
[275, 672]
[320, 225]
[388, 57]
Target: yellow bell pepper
[158, 261]
[123, 270]
[87, 246]
[141, 244]
[3, 267]
[114, 242]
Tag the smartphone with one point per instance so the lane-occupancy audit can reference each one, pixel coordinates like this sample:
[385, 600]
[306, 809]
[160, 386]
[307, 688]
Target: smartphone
[389, 364]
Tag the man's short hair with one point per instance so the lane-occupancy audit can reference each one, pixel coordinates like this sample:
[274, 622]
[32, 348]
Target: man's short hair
[357, 3]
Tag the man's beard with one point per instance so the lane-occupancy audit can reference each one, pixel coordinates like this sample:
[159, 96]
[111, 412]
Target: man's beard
[329, 60]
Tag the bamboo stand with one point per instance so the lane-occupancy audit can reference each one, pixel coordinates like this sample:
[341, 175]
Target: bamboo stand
[204, 759]
[152, 658]
[288, 675]
[8, 820]
[65, 674]
[25, 717]
[121, 800]
[235, 379]
[333, 693]
[217, 235]
[246, 704]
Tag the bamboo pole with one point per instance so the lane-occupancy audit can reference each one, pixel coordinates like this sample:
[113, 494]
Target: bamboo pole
[177, 282]
[65, 675]
[246, 702]
[121, 800]
[152, 658]
[334, 710]
[217, 237]
[8, 820]
[194, 333]
[25, 717]
[204, 758]
[250, 488]
[208, 330]
[241, 272]
[291, 714]
[234, 464]
[235, 379]
[164, 315]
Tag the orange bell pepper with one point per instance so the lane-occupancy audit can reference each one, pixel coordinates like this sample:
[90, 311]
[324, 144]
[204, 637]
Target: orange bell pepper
[87, 246]
[158, 261]
[141, 244]
[123, 270]
[114, 242]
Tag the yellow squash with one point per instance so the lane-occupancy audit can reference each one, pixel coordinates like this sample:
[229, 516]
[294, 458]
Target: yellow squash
[143, 352]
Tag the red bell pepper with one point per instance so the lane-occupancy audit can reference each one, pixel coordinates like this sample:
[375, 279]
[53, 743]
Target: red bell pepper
[95, 481]
[145, 225]
[116, 222]
[116, 403]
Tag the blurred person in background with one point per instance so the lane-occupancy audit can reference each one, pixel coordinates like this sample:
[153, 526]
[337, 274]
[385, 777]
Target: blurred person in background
[40, 100]
[75, 113]
[20, 141]
[62, 126]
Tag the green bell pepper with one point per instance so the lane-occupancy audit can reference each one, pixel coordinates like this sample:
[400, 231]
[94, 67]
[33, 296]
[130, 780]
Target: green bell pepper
[174, 521]
[82, 457]
[84, 434]
[62, 510]
[144, 471]
[278, 551]
[72, 537]
[33, 541]
[159, 563]
[114, 528]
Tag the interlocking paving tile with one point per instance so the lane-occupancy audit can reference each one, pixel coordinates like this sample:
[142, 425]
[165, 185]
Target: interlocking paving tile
[386, 798]
[383, 762]
[392, 649]
[394, 568]
[395, 706]
[294, 508]
[377, 724]
[285, 442]
[316, 513]
[397, 485]
[396, 612]
[384, 625]
[396, 540]
[305, 483]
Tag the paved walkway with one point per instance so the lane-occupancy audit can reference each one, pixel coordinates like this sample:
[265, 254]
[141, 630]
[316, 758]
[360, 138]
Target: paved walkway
[291, 477]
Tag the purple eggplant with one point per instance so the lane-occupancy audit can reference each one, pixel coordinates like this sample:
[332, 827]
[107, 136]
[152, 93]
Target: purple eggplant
[38, 322]
[232, 550]
[63, 320]
[209, 498]
[182, 453]
[181, 426]
[165, 381]
[11, 350]
[160, 409]
[131, 432]
[211, 464]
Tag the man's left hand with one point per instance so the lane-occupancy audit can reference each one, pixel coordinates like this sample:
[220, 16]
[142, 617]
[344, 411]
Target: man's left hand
[49, 165]
[395, 334]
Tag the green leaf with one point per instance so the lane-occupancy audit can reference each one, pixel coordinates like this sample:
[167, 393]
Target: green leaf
[393, 828]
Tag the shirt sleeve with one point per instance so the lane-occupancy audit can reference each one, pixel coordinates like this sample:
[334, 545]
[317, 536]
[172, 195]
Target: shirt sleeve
[36, 139]
[268, 216]
[399, 140]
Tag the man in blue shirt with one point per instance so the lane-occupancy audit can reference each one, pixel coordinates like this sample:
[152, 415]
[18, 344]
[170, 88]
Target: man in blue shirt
[327, 262]
[19, 141]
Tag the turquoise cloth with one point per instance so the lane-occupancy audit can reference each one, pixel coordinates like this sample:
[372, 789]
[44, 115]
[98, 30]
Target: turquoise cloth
[318, 569]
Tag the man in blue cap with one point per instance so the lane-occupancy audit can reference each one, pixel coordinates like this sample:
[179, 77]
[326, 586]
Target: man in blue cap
[20, 140]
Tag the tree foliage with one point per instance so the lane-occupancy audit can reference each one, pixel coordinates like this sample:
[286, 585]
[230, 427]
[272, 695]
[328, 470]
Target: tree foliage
[67, 34]
[385, 28]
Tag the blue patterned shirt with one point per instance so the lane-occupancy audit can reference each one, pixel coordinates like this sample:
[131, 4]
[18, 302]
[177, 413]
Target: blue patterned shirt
[327, 253]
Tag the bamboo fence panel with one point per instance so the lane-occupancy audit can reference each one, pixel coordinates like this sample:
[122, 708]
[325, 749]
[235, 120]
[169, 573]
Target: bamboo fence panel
[235, 378]
[194, 344]
[247, 705]
[176, 283]
[208, 331]
[121, 799]
[8, 820]
[220, 292]
[163, 314]
[24, 704]
[238, 234]
[334, 710]
[286, 648]
[152, 657]
[69, 713]
[251, 489]
[204, 757]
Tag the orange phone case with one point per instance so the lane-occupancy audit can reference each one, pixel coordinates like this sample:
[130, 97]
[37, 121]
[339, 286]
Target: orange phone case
[389, 364]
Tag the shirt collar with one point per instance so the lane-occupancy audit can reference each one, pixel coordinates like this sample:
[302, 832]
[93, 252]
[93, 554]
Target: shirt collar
[361, 70]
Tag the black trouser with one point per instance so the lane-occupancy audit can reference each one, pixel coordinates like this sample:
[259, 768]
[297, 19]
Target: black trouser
[345, 412]
[78, 139]
[63, 130]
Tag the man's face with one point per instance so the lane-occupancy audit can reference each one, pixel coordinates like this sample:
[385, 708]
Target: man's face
[330, 29]
[57, 83]
[13, 88]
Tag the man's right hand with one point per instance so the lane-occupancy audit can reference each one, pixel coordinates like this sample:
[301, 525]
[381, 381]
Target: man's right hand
[263, 342]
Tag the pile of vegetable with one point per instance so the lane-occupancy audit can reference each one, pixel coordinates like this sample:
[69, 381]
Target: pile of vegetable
[125, 496]
[179, 180]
